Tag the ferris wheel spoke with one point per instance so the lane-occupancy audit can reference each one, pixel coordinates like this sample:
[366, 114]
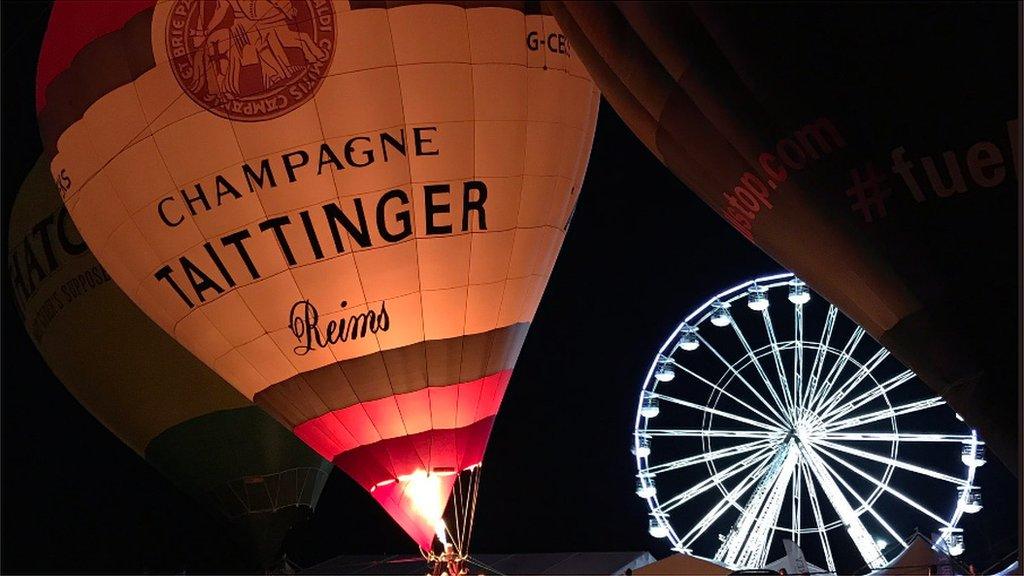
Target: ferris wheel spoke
[889, 461]
[851, 383]
[819, 354]
[730, 499]
[652, 433]
[722, 390]
[816, 509]
[876, 392]
[760, 371]
[762, 558]
[883, 414]
[863, 503]
[713, 480]
[837, 368]
[715, 411]
[794, 510]
[778, 408]
[749, 535]
[706, 457]
[862, 540]
[906, 499]
[894, 437]
[798, 354]
[777, 355]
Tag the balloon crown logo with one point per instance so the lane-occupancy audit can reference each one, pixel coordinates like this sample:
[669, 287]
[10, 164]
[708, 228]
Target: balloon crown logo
[250, 60]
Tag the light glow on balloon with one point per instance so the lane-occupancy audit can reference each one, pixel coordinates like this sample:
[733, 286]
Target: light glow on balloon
[441, 529]
[428, 496]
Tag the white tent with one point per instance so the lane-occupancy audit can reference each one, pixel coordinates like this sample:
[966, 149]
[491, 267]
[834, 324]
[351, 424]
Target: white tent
[683, 565]
[794, 562]
[921, 559]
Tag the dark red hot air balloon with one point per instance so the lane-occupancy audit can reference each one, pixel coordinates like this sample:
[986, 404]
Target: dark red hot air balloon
[872, 149]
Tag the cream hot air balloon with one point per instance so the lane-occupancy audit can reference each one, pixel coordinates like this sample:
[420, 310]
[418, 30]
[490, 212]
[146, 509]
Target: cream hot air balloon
[349, 210]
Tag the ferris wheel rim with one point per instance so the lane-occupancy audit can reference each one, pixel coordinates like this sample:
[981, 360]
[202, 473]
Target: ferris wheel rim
[831, 410]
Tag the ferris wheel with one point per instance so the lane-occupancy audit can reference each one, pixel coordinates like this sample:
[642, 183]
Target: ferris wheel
[768, 415]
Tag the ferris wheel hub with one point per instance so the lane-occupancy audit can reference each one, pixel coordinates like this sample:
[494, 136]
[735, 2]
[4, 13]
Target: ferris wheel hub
[809, 426]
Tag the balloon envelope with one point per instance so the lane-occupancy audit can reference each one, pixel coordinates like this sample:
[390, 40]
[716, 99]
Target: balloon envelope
[195, 429]
[349, 210]
[873, 150]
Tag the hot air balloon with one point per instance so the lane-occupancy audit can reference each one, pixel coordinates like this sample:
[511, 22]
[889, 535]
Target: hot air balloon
[871, 149]
[348, 210]
[195, 429]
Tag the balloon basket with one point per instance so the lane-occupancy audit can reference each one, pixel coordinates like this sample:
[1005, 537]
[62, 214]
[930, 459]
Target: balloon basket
[448, 563]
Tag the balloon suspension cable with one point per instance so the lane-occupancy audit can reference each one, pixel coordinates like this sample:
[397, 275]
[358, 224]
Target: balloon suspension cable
[454, 558]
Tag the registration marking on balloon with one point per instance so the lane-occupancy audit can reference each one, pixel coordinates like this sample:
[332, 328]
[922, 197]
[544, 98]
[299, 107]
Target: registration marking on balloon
[248, 60]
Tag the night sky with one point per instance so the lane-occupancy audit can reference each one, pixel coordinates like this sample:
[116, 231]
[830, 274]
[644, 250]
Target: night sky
[558, 474]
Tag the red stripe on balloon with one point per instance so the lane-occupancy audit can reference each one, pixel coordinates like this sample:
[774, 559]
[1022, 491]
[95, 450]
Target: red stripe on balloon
[434, 451]
[435, 408]
[73, 25]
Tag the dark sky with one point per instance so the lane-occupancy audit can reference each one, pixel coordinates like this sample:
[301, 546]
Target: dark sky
[559, 476]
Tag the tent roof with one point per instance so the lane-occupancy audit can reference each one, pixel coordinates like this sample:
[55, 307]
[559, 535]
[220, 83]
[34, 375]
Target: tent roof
[917, 558]
[555, 563]
[683, 565]
[781, 563]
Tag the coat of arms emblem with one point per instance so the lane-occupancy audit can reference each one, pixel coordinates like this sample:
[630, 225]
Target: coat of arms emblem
[250, 60]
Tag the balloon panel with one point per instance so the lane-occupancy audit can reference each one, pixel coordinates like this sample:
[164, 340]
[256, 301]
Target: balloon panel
[349, 211]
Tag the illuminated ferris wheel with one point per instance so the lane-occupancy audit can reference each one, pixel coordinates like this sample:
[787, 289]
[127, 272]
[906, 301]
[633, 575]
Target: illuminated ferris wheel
[768, 415]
